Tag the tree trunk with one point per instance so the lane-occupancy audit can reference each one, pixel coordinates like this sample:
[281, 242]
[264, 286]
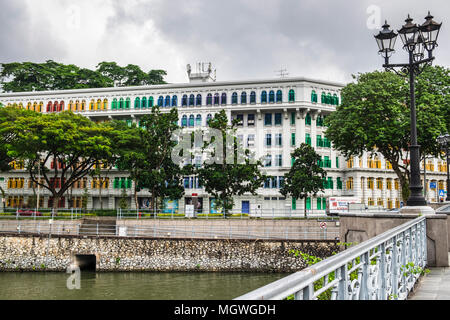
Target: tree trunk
[3, 198]
[305, 208]
[55, 204]
[135, 195]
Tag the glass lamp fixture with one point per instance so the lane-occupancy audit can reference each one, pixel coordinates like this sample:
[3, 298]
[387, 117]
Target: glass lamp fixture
[386, 41]
[430, 32]
[409, 33]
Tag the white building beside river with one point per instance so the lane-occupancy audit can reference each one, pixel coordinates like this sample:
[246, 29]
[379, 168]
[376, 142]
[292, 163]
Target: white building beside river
[276, 116]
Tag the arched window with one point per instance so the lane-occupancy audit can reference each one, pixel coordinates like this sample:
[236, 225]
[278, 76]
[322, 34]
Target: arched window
[279, 96]
[83, 105]
[198, 101]
[191, 100]
[234, 98]
[313, 96]
[223, 100]
[137, 103]
[167, 102]
[253, 97]
[184, 121]
[291, 95]
[92, 105]
[55, 106]
[208, 118]
[105, 104]
[191, 120]
[328, 99]
[323, 97]
[127, 103]
[308, 119]
[271, 96]
[216, 99]
[184, 100]
[209, 99]
[160, 101]
[113, 104]
[29, 106]
[99, 104]
[121, 103]
[144, 103]
[244, 97]
[49, 106]
[174, 101]
[198, 120]
[264, 97]
[151, 102]
[335, 100]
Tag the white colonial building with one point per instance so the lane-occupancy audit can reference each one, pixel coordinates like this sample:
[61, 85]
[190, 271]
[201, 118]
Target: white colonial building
[276, 115]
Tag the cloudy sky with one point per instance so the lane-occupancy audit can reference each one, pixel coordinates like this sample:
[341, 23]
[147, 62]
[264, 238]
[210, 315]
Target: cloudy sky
[246, 39]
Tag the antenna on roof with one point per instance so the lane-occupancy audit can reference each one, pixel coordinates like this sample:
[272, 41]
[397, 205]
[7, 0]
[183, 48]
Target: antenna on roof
[282, 73]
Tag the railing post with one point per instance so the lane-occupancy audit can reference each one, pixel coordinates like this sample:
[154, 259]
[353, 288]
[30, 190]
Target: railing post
[364, 292]
[382, 281]
[343, 283]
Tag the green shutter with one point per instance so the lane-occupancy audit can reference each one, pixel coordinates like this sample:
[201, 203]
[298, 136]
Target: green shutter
[308, 139]
[319, 203]
[294, 204]
[293, 139]
[292, 118]
[308, 203]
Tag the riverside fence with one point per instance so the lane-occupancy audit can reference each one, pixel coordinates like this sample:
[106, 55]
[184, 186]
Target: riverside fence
[192, 230]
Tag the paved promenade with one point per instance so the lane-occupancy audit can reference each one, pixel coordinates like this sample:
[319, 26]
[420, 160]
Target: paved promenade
[434, 286]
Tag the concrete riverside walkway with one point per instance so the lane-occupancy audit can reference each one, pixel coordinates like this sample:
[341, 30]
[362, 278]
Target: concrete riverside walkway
[434, 286]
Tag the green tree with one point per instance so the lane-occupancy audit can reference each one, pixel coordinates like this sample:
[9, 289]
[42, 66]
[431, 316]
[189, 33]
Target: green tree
[8, 118]
[51, 75]
[71, 142]
[237, 174]
[374, 116]
[130, 75]
[305, 177]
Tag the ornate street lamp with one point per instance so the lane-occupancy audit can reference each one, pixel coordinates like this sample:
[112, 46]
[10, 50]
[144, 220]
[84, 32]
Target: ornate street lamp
[416, 39]
[444, 141]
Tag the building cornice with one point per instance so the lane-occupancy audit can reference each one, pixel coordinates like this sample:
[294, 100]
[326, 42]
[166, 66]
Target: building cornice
[203, 85]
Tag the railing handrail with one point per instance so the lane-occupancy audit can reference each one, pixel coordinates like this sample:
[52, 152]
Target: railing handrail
[295, 282]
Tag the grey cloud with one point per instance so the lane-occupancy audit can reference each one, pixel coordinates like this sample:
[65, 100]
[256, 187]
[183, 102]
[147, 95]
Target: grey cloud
[22, 41]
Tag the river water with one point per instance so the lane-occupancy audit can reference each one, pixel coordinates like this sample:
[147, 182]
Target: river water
[136, 286]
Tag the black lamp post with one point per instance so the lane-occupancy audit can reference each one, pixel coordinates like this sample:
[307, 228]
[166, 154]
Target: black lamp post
[416, 39]
[444, 141]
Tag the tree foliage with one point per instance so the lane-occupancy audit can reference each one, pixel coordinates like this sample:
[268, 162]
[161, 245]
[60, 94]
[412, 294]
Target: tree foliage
[230, 178]
[72, 142]
[305, 177]
[51, 75]
[374, 116]
[146, 154]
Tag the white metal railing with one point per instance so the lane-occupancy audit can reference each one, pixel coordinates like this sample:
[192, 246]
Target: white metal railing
[384, 267]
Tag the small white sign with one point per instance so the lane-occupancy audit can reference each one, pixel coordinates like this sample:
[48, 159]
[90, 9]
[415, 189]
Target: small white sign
[122, 231]
[189, 211]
